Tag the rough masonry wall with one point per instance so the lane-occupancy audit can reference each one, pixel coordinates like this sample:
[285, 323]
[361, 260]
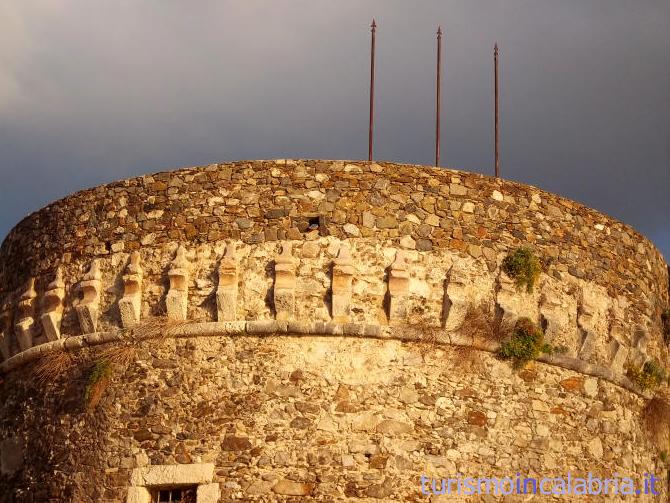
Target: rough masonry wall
[313, 248]
[315, 419]
[442, 287]
[416, 207]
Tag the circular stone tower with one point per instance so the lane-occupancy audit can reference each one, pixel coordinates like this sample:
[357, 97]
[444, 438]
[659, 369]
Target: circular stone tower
[322, 331]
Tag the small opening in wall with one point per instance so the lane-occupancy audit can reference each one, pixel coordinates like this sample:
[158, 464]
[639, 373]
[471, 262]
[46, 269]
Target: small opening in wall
[174, 495]
[544, 323]
[313, 223]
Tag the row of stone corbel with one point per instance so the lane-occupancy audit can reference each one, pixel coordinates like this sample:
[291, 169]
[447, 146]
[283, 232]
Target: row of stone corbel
[176, 301]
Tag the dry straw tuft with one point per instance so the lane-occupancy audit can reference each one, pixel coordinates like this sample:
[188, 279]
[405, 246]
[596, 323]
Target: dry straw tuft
[469, 359]
[480, 323]
[430, 337]
[154, 328]
[119, 355]
[52, 366]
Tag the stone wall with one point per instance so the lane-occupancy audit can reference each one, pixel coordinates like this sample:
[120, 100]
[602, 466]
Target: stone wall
[415, 207]
[362, 286]
[320, 342]
[315, 419]
[262, 240]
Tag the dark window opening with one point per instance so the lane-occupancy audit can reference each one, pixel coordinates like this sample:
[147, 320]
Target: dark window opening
[175, 495]
[310, 223]
[313, 223]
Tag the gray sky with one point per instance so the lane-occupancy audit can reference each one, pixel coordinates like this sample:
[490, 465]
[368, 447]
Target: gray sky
[93, 91]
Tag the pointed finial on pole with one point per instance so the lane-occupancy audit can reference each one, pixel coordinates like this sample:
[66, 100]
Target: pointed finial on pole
[437, 99]
[373, 29]
[497, 104]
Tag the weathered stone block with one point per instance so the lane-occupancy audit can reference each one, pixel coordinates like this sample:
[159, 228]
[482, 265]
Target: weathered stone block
[87, 309]
[284, 284]
[138, 495]
[398, 288]
[176, 301]
[53, 307]
[208, 493]
[130, 305]
[25, 327]
[172, 475]
[290, 488]
[226, 293]
[343, 273]
[24, 334]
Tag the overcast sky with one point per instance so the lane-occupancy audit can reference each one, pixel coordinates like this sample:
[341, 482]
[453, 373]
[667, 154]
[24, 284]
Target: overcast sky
[92, 91]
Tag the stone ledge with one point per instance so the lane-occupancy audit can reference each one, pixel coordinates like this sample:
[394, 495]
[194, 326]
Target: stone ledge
[169, 475]
[318, 328]
[157, 476]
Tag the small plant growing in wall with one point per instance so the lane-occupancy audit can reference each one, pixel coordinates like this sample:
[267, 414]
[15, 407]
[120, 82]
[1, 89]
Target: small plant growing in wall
[523, 267]
[649, 376]
[98, 380]
[111, 359]
[525, 344]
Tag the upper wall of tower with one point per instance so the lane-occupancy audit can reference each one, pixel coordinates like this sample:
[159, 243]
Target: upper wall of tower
[112, 254]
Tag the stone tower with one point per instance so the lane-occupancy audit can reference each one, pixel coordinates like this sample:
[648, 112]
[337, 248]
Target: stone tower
[317, 331]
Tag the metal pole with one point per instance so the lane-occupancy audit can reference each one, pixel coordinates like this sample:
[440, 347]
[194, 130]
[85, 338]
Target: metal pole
[373, 28]
[497, 116]
[437, 101]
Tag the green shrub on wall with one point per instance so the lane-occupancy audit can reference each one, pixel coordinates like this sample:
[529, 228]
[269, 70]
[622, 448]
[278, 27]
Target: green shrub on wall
[650, 376]
[525, 344]
[98, 379]
[523, 267]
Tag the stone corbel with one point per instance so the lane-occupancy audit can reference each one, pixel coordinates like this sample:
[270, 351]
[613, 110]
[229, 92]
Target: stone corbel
[284, 287]
[88, 307]
[226, 292]
[638, 354]
[398, 288]
[25, 326]
[5, 329]
[343, 274]
[176, 301]
[618, 350]
[130, 305]
[53, 307]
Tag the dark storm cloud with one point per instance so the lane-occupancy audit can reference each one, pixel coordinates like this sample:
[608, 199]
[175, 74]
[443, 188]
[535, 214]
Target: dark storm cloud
[93, 91]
